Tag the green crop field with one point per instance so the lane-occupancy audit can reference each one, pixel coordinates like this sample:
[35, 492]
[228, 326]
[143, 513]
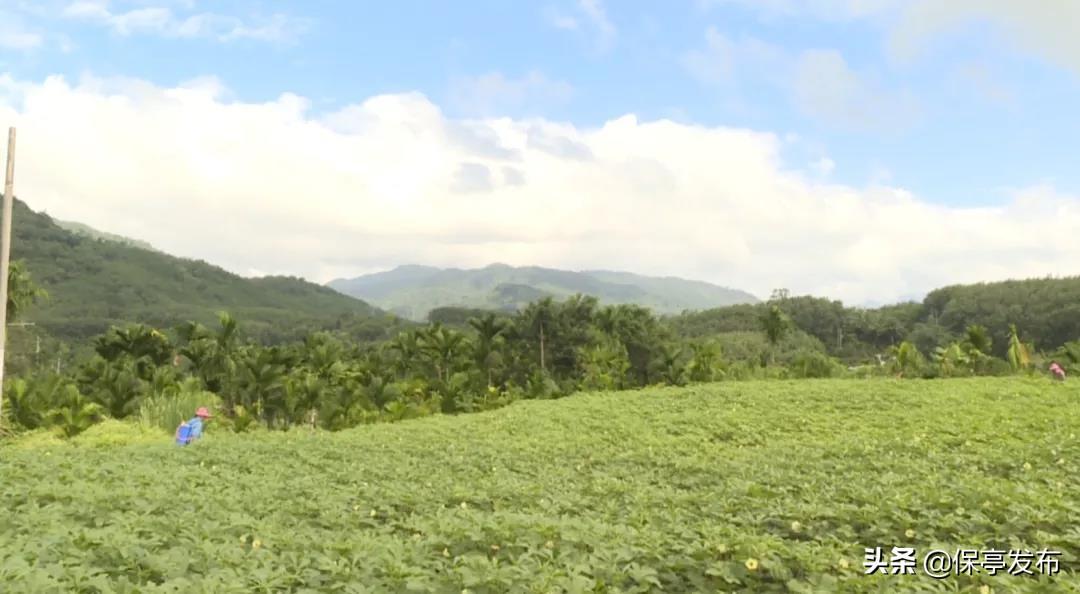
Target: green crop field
[755, 487]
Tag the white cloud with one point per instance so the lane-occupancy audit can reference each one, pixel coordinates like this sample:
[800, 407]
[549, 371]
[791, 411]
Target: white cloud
[819, 82]
[825, 87]
[823, 166]
[161, 20]
[830, 10]
[1047, 28]
[493, 93]
[268, 186]
[14, 35]
[591, 16]
[723, 60]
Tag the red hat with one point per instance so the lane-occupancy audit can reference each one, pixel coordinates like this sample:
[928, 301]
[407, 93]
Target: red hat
[202, 412]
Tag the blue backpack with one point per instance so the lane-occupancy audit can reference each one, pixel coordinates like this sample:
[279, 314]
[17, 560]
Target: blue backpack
[183, 433]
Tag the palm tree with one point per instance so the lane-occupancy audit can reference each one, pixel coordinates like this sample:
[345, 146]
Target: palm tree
[704, 362]
[261, 383]
[538, 317]
[408, 348]
[442, 346]
[978, 339]
[667, 363]
[489, 330]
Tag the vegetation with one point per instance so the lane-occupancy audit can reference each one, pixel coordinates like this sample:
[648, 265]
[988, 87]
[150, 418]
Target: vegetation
[759, 487]
[414, 291]
[1044, 310]
[94, 284]
[333, 362]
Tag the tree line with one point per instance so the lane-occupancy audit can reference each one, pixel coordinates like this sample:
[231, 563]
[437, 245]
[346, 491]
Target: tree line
[460, 363]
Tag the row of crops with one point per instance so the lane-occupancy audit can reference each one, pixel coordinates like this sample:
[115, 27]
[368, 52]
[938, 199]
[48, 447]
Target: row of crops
[756, 487]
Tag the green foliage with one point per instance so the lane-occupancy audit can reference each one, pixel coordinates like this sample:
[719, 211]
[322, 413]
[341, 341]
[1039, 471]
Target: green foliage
[907, 361]
[1019, 354]
[22, 292]
[775, 323]
[763, 487]
[165, 410]
[94, 284]
[815, 364]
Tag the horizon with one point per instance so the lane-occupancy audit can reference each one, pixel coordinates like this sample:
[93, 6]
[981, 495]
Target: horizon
[859, 151]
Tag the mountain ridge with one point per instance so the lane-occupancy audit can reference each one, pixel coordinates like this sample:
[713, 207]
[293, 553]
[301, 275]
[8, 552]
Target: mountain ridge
[413, 290]
[95, 280]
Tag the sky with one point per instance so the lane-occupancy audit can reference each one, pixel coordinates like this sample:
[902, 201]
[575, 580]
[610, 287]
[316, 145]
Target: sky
[862, 150]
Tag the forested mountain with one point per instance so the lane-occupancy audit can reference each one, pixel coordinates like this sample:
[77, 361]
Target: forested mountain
[87, 231]
[94, 283]
[1045, 311]
[413, 291]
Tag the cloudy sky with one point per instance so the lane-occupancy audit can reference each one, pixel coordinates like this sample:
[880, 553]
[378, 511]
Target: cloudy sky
[865, 150]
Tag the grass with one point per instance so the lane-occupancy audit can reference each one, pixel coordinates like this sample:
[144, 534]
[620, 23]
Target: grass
[756, 487]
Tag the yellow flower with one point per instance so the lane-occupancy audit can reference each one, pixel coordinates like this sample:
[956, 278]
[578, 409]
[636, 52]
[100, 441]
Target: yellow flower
[256, 543]
[985, 590]
[721, 548]
[752, 564]
[464, 505]
[844, 563]
[549, 544]
[796, 526]
[1027, 465]
[373, 513]
[909, 533]
[445, 553]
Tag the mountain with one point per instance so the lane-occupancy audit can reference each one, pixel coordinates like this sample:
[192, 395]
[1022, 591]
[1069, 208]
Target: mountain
[91, 233]
[94, 282]
[413, 291]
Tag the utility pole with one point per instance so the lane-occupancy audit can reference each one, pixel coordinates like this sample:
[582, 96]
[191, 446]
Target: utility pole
[5, 255]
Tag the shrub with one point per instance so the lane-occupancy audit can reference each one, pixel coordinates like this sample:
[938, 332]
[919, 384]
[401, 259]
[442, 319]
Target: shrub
[166, 410]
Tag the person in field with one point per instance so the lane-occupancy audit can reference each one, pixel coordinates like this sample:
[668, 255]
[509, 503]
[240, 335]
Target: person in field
[1057, 371]
[189, 431]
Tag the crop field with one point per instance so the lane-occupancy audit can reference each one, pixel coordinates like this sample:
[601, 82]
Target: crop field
[752, 487]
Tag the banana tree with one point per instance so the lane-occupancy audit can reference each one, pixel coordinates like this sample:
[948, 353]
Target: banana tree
[1019, 354]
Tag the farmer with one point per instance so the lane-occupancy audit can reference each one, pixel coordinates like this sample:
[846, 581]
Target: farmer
[1059, 373]
[191, 430]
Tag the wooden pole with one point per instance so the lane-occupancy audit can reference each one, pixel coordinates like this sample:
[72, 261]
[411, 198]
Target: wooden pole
[5, 255]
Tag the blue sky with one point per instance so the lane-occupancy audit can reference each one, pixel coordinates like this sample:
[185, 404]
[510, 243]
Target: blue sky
[982, 117]
[963, 106]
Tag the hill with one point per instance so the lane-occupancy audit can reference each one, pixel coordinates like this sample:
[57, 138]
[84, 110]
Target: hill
[413, 291]
[94, 282]
[736, 487]
[1046, 312]
[88, 231]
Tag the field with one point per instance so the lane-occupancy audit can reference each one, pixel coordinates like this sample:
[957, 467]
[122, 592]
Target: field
[755, 487]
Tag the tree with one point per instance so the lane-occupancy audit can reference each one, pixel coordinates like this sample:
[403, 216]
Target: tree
[489, 329]
[907, 359]
[537, 319]
[775, 324]
[443, 347]
[977, 339]
[22, 292]
[704, 363]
